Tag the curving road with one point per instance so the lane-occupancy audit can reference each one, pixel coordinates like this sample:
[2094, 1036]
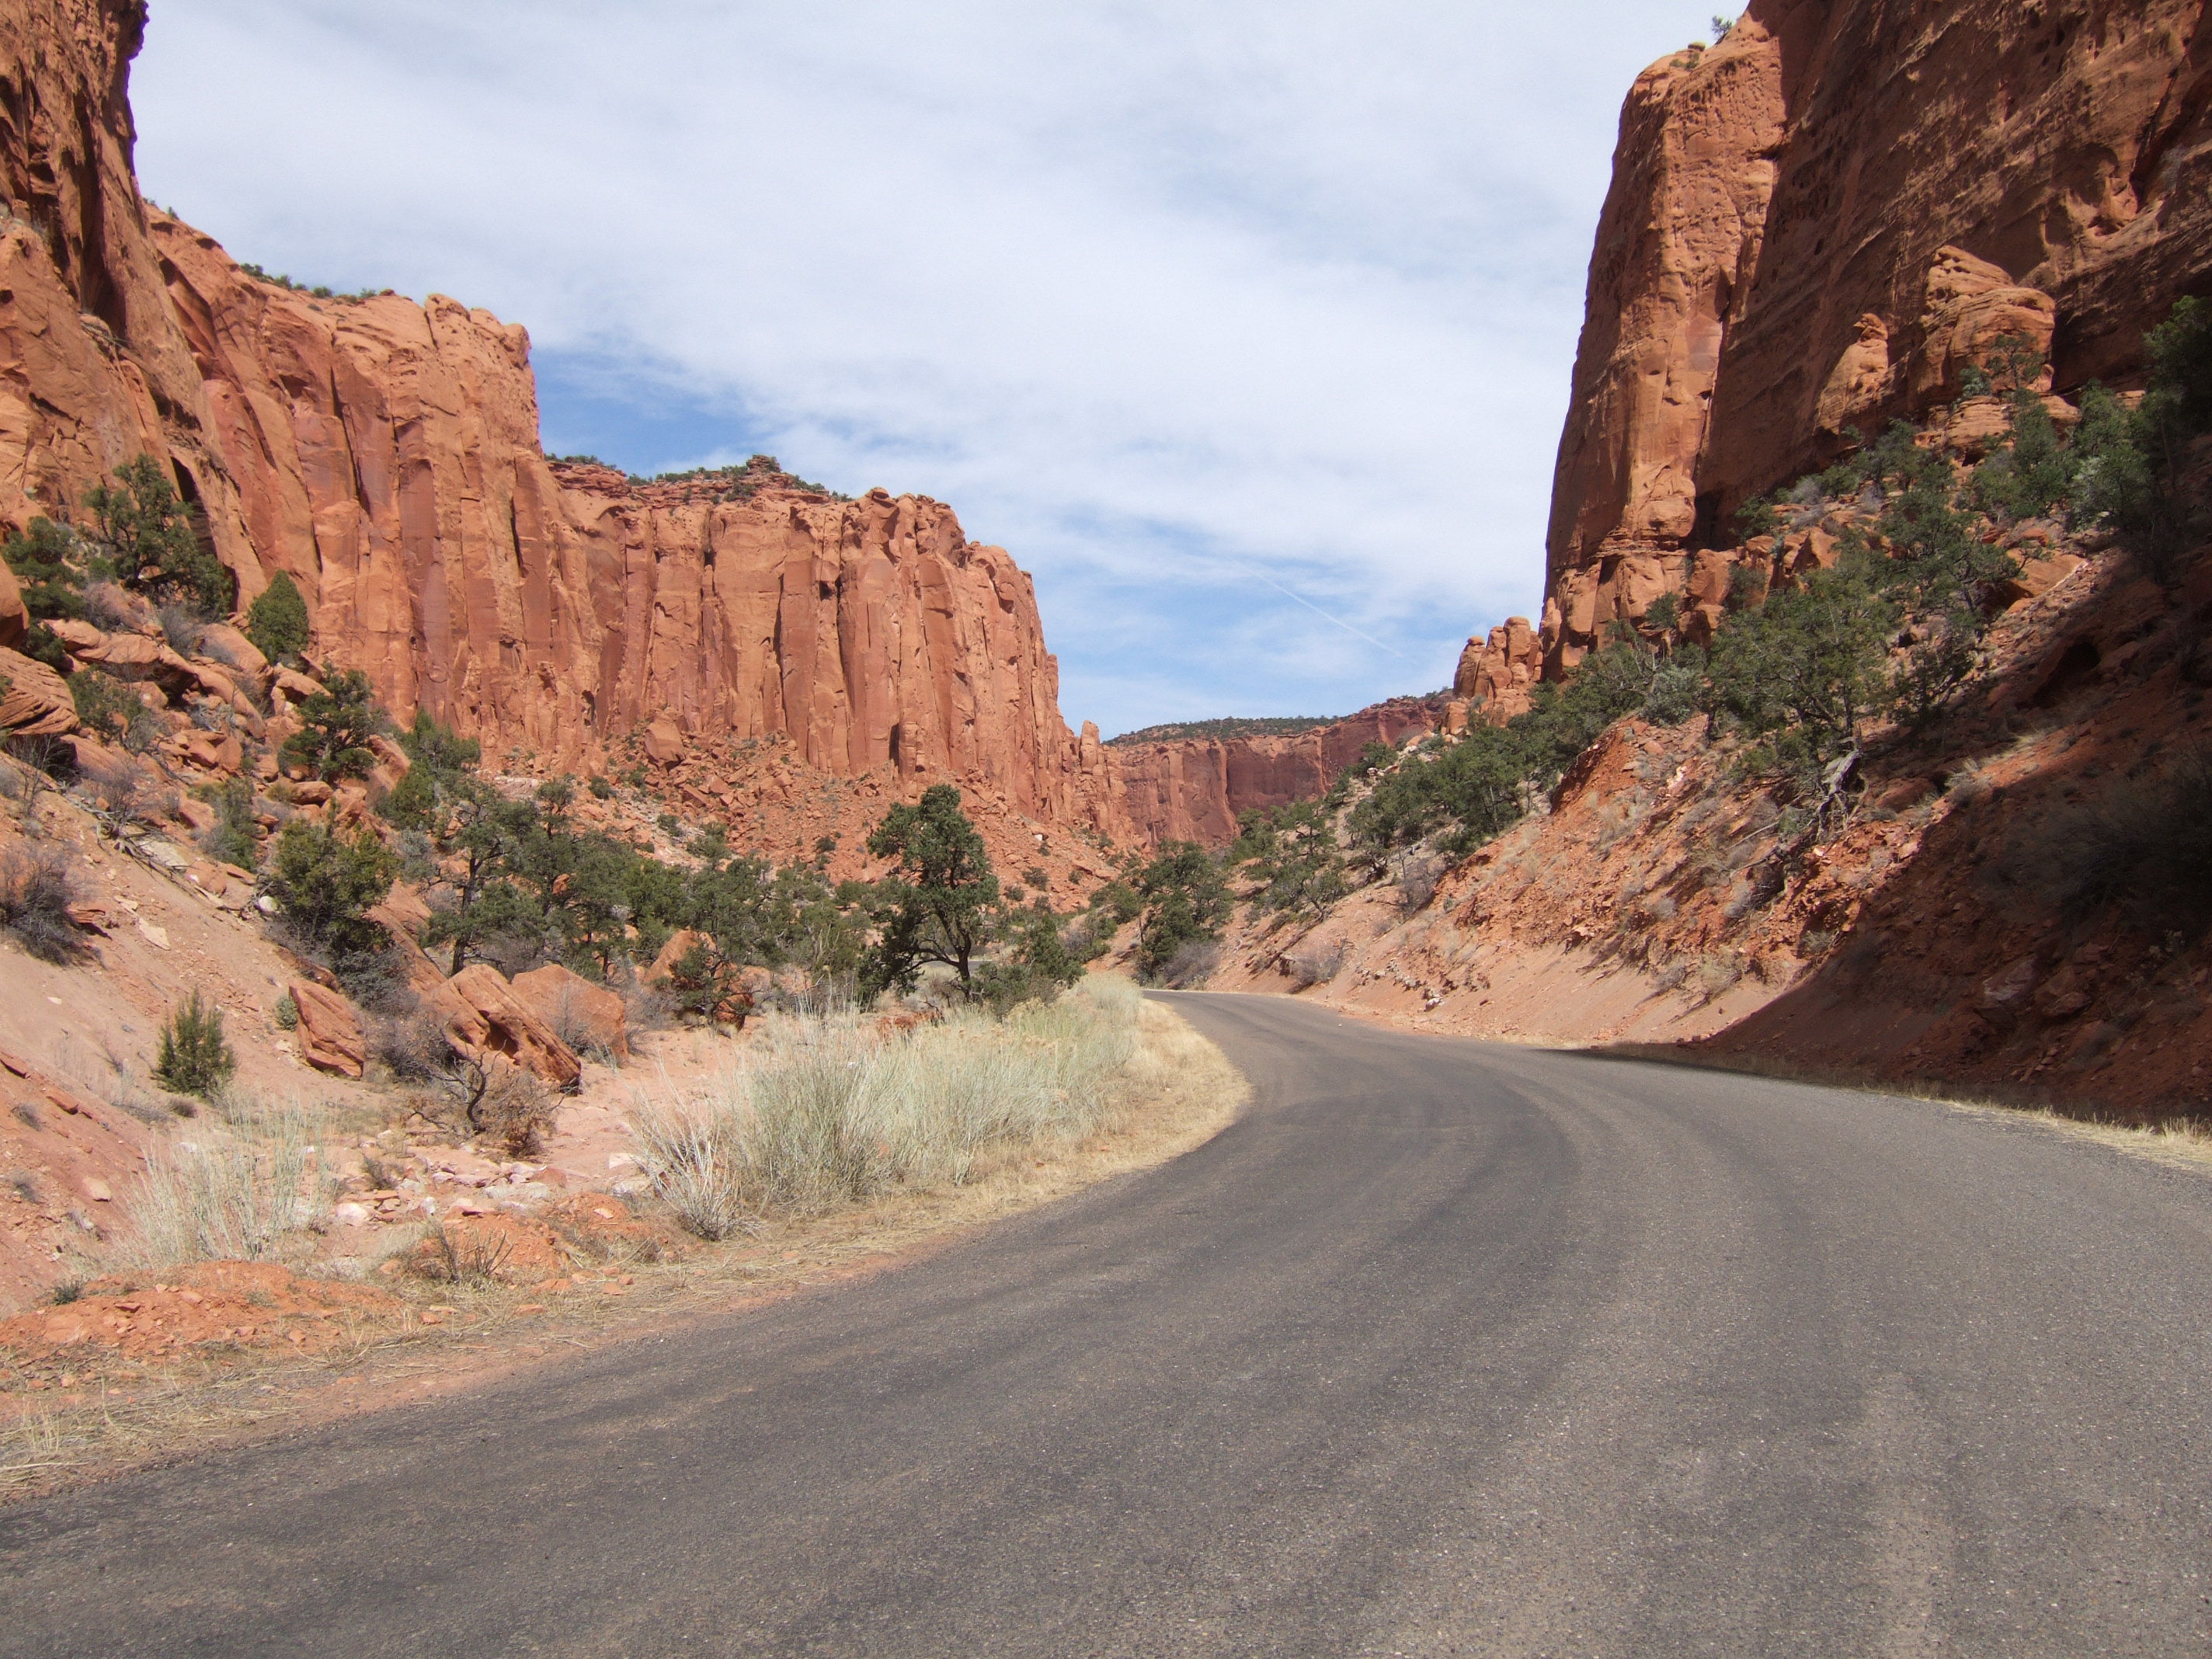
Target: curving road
[1443, 1348]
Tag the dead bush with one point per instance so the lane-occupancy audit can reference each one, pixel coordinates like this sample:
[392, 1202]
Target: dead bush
[37, 884]
[445, 1255]
[1313, 962]
[1417, 880]
[647, 1007]
[1717, 975]
[491, 1097]
[1192, 964]
[2142, 848]
[125, 794]
[411, 1047]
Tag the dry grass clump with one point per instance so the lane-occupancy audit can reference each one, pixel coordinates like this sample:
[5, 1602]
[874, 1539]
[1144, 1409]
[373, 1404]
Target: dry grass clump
[37, 884]
[1314, 962]
[246, 1190]
[827, 1112]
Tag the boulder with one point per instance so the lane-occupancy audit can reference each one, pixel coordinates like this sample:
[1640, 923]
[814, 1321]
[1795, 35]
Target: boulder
[82, 640]
[227, 644]
[494, 1021]
[15, 619]
[329, 1032]
[296, 685]
[36, 703]
[583, 1014]
[2038, 577]
[664, 741]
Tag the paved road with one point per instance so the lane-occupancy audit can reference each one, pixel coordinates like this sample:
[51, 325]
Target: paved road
[1443, 1348]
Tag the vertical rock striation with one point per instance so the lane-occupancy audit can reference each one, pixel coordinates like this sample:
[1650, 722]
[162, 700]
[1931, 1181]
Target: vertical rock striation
[1821, 222]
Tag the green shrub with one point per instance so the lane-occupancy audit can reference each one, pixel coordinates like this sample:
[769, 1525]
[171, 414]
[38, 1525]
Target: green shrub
[1186, 901]
[47, 563]
[232, 840]
[195, 1059]
[1804, 672]
[936, 905]
[327, 884]
[149, 537]
[1291, 852]
[277, 622]
[111, 710]
[335, 725]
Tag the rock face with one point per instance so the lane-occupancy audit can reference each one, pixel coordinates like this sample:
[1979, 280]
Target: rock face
[1193, 788]
[1821, 222]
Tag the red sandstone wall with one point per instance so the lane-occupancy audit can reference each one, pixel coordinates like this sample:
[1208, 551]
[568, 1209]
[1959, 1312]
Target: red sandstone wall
[1822, 221]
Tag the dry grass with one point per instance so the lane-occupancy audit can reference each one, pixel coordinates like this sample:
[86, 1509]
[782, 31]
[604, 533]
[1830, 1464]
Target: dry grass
[246, 1190]
[2176, 1144]
[827, 1112]
[1175, 1091]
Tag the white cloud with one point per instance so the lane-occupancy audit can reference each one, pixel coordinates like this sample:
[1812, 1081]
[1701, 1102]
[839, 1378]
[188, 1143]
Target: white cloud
[1164, 298]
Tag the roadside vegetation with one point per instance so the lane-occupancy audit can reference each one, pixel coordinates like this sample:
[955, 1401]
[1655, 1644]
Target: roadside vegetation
[1808, 667]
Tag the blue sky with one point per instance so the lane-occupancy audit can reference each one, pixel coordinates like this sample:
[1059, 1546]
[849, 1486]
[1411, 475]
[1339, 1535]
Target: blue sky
[1246, 328]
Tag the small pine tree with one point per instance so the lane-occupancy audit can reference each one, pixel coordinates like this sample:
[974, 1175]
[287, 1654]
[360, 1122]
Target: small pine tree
[44, 561]
[195, 1059]
[148, 534]
[277, 622]
[336, 727]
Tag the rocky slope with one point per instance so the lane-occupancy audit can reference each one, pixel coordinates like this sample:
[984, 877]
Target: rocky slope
[1661, 897]
[1823, 220]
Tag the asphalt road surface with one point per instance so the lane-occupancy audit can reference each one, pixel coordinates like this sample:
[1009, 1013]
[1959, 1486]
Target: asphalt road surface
[1443, 1347]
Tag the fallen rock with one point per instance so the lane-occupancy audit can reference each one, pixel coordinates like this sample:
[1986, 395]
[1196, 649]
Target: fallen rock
[14, 618]
[330, 1031]
[664, 741]
[36, 703]
[585, 1015]
[493, 1020]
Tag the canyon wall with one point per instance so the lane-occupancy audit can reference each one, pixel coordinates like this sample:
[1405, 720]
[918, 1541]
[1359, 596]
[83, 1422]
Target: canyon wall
[1193, 788]
[1822, 221]
[385, 455]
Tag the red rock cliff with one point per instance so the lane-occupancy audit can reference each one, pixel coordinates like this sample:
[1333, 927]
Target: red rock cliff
[1193, 788]
[385, 455]
[1820, 222]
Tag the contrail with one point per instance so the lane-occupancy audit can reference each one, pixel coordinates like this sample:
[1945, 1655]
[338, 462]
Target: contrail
[1325, 617]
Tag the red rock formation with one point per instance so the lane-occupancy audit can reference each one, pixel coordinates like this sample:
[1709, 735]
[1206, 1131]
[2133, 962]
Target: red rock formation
[1193, 788]
[778, 658]
[329, 1032]
[582, 1013]
[385, 455]
[1821, 222]
[1495, 674]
